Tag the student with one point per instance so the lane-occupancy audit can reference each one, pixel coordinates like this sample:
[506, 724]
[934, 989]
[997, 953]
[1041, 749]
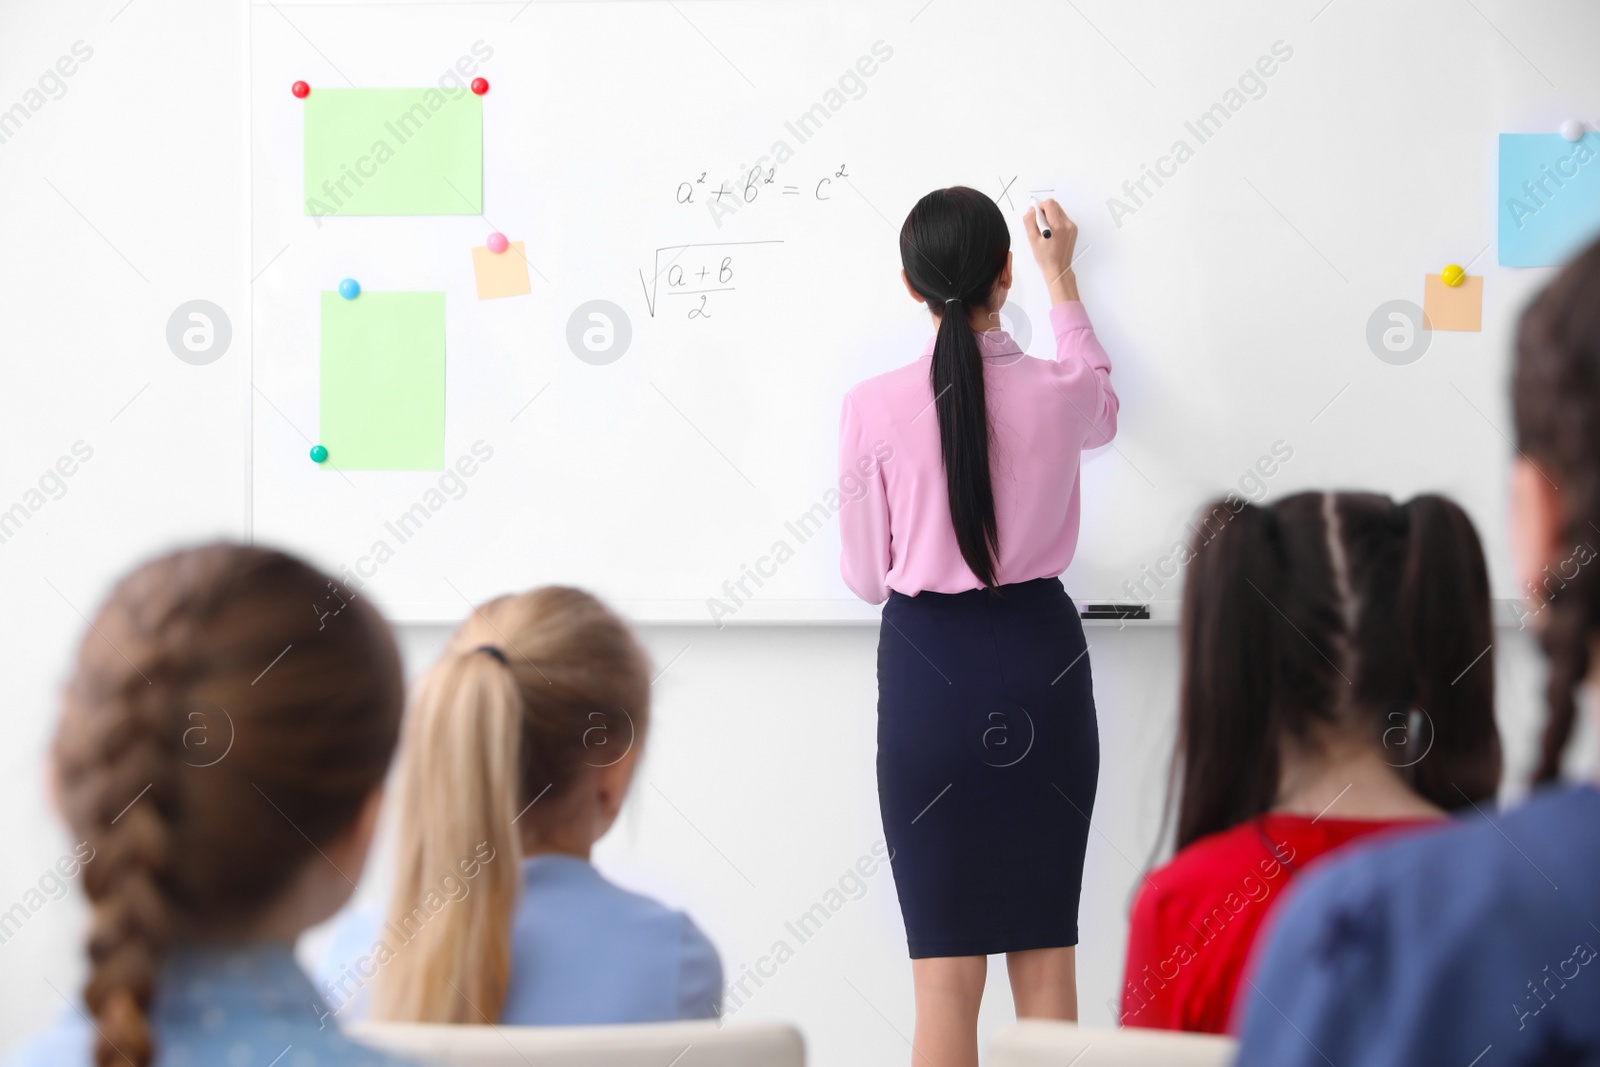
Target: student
[1325, 698]
[963, 469]
[519, 748]
[223, 741]
[1477, 942]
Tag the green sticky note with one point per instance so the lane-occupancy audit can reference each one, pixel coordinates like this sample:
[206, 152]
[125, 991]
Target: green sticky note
[383, 381]
[393, 152]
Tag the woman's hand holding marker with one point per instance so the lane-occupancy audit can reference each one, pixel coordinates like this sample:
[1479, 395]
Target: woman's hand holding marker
[1052, 247]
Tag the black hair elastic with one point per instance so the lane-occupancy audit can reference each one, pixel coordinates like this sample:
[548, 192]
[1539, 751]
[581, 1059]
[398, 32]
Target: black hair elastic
[495, 652]
[952, 300]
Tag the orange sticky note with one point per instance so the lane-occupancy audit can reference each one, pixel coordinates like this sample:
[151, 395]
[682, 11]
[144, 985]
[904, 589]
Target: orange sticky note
[1458, 307]
[501, 274]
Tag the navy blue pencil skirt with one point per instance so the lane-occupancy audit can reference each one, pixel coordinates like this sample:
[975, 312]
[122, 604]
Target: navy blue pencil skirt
[988, 757]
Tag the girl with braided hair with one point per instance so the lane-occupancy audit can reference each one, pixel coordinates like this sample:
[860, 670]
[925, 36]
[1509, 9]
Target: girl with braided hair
[1479, 941]
[223, 741]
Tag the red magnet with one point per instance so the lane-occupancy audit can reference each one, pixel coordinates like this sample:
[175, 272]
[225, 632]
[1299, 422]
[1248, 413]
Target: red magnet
[300, 89]
[480, 86]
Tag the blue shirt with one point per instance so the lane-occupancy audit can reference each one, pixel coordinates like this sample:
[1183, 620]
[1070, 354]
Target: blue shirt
[247, 1007]
[583, 952]
[1477, 943]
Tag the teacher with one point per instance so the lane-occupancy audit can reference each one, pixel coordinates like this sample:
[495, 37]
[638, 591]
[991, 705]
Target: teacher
[963, 467]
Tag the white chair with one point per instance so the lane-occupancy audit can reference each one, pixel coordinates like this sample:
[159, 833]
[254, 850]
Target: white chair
[685, 1044]
[1037, 1043]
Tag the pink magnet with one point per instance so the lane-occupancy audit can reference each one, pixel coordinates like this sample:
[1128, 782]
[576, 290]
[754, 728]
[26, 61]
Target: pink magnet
[497, 243]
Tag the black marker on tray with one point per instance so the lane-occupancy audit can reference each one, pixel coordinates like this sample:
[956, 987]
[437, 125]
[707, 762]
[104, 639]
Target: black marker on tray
[1115, 611]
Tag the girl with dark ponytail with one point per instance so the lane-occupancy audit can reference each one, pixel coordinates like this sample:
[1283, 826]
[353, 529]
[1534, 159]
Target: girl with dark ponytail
[223, 741]
[1443, 945]
[960, 478]
[1336, 684]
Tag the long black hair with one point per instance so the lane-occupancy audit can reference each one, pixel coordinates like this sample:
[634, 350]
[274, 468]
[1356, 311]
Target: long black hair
[1555, 394]
[1343, 609]
[954, 245]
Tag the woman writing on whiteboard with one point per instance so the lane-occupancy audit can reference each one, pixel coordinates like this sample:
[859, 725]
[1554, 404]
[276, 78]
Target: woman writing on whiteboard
[964, 512]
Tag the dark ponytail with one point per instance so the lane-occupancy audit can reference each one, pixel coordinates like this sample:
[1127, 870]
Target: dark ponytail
[1225, 765]
[954, 245]
[1447, 633]
[1555, 391]
[1332, 610]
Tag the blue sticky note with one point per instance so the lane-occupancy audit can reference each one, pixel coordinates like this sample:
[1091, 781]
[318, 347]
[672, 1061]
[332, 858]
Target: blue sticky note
[1549, 197]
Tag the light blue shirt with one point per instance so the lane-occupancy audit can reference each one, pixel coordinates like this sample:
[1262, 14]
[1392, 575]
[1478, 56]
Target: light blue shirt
[250, 1007]
[583, 952]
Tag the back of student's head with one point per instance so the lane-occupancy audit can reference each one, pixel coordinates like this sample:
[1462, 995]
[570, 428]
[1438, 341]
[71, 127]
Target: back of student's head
[1556, 396]
[225, 718]
[534, 693]
[953, 246]
[1333, 612]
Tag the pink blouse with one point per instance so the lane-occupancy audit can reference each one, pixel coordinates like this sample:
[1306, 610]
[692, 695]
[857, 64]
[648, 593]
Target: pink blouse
[895, 518]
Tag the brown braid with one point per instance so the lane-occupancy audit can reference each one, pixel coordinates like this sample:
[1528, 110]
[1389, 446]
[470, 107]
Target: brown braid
[1556, 396]
[185, 845]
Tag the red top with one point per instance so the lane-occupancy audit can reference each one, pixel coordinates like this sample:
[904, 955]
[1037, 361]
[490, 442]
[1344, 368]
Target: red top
[1195, 919]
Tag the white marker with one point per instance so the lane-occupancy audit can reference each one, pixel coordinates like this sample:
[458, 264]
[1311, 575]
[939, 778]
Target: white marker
[1038, 213]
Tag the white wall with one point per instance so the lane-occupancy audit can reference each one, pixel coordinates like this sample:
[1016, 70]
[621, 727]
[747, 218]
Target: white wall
[124, 197]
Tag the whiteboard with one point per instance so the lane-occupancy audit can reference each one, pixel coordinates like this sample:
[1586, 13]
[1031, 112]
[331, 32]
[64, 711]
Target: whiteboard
[1234, 297]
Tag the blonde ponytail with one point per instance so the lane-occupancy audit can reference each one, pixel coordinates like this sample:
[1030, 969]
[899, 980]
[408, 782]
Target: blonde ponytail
[502, 721]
